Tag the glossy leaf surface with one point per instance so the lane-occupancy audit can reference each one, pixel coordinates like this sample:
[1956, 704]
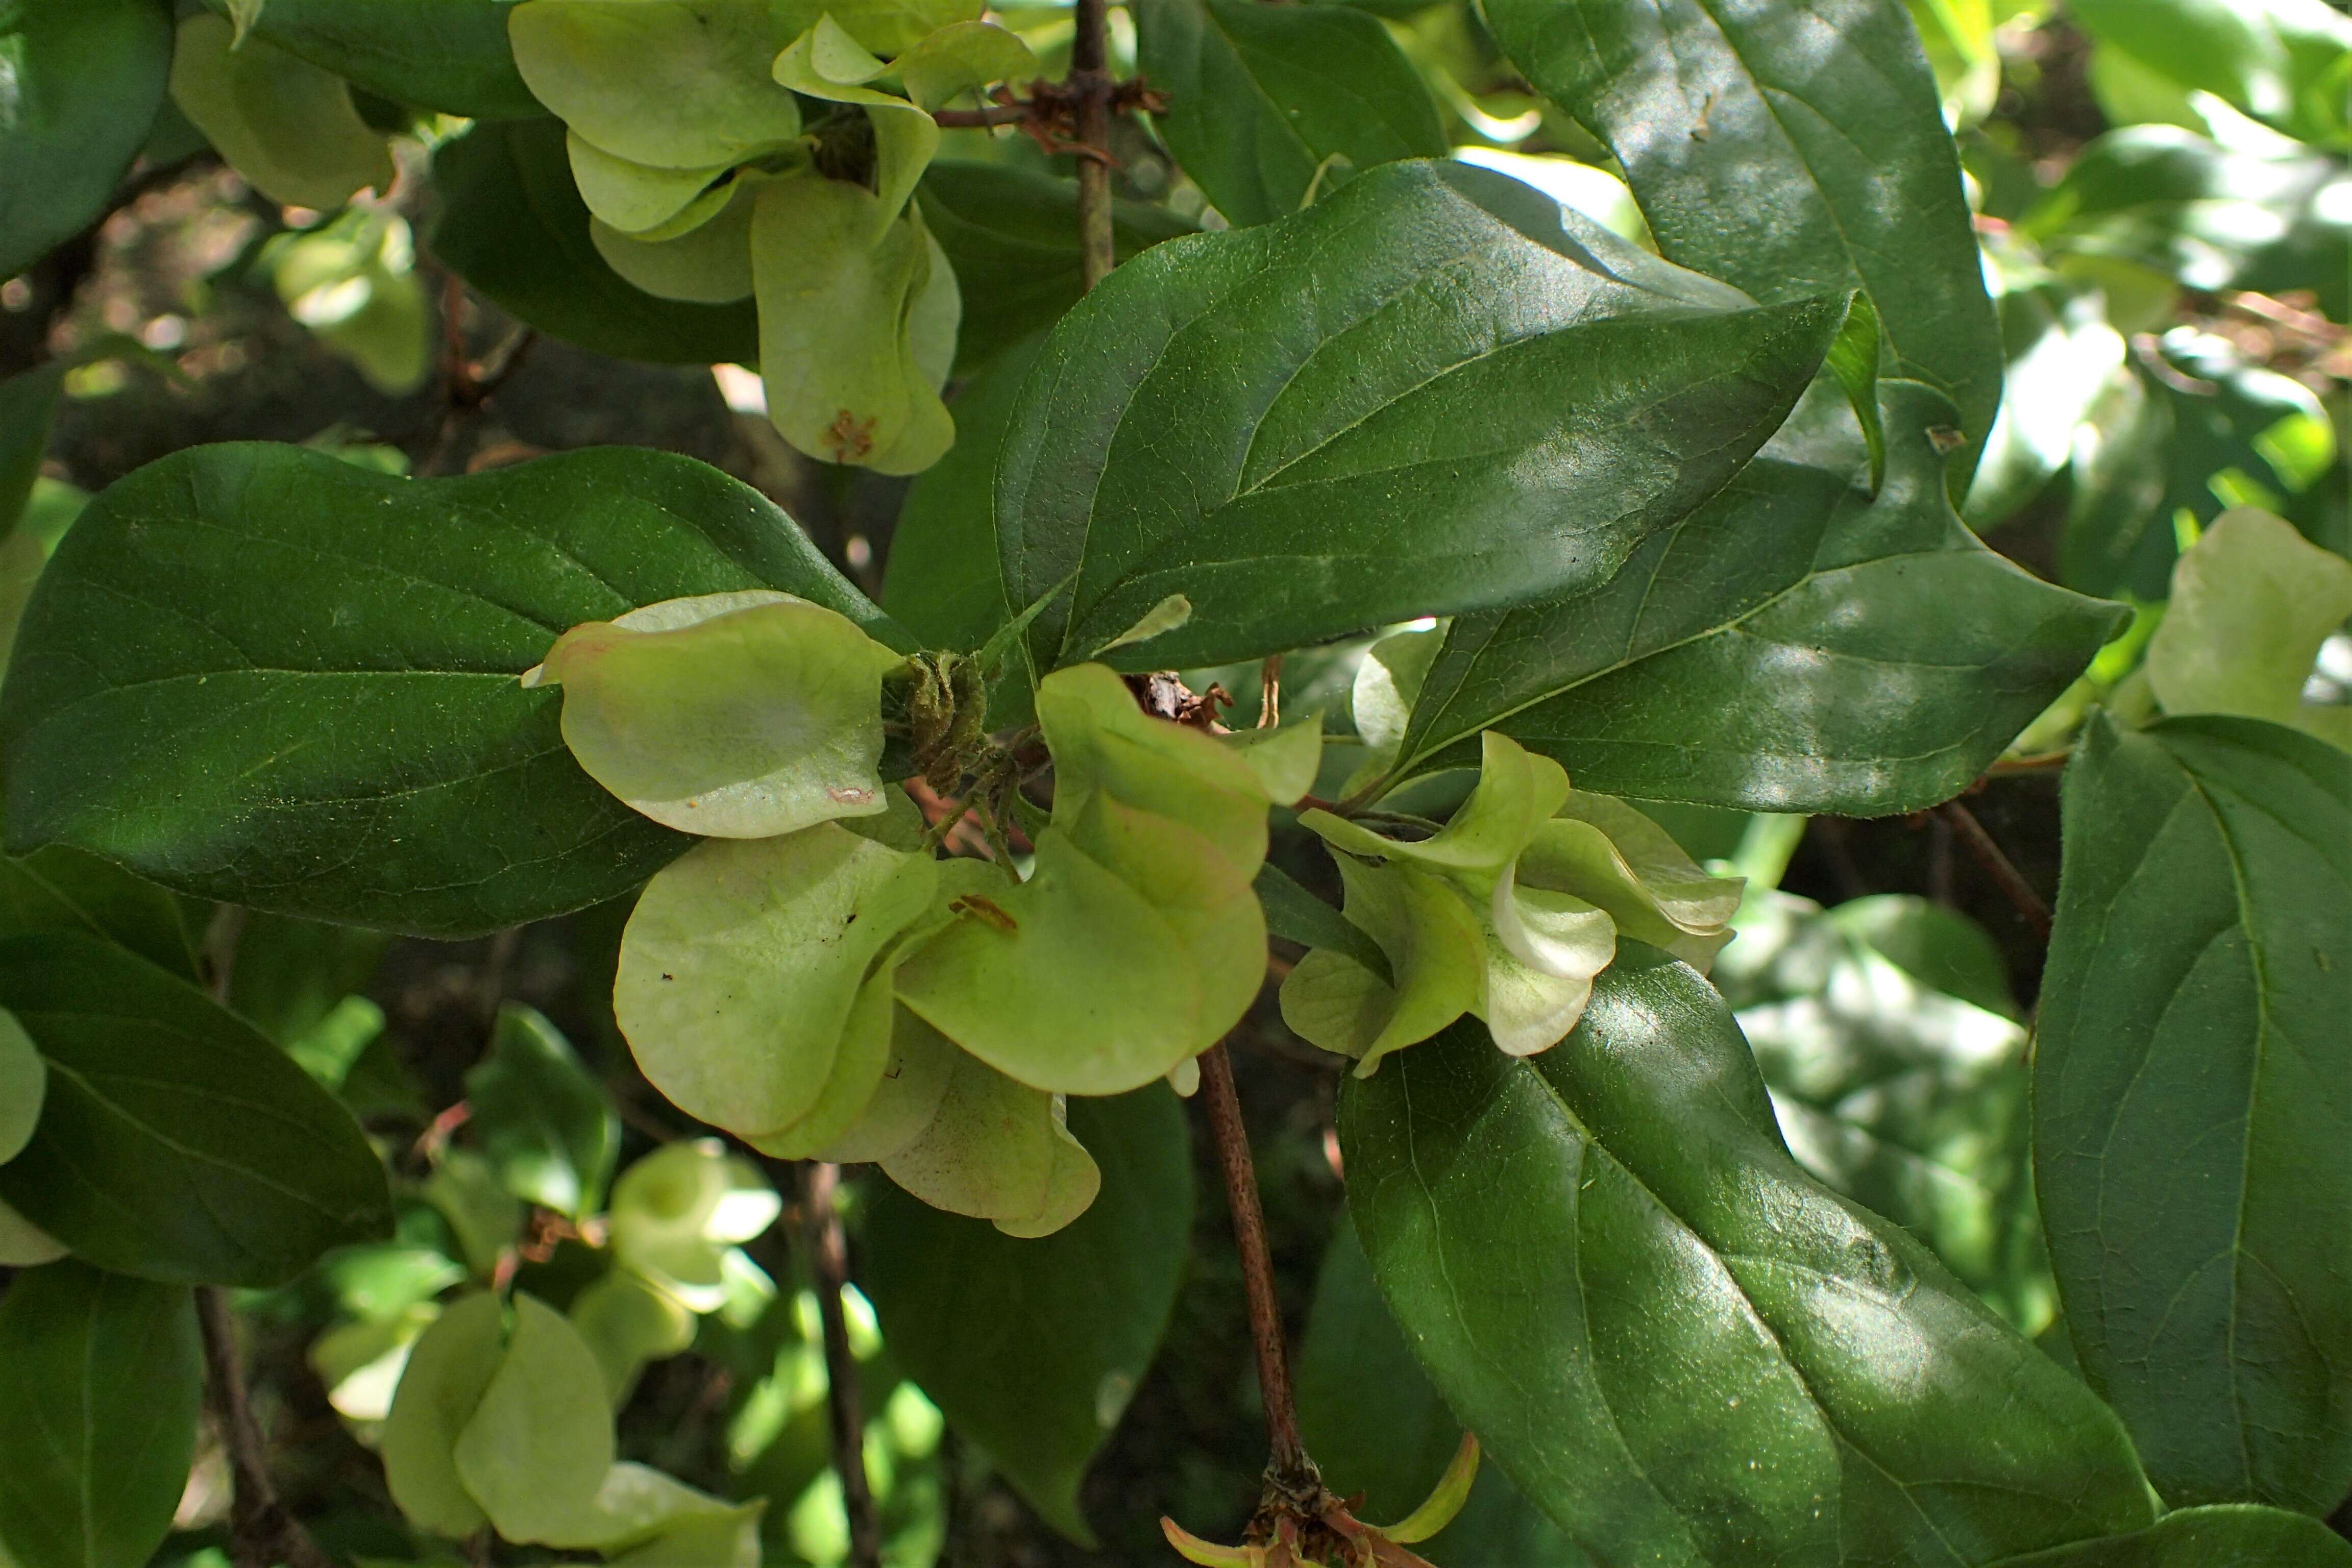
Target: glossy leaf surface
[1395, 403]
[84, 82]
[1269, 104]
[512, 223]
[1033, 1348]
[146, 1159]
[2223, 1536]
[1739, 1366]
[101, 1378]
[449, 54]
[1793, 150]
[2192, 1081]
[327, 722]
[1798, 645]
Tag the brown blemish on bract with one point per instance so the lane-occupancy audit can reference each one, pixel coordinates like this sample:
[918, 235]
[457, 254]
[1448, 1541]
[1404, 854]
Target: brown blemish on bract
[850, 438]
[986, 910]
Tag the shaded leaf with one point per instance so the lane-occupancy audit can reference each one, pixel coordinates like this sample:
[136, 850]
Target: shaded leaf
[2218, 1537]
[542, 1121]
[1033, 1348]
[449, 54]
[146, 1159]
[327, 722]
[288, 126]
[101, 1378]
[1269, 104]
[2192, 1081]
[1738, 1365]
[84, 82]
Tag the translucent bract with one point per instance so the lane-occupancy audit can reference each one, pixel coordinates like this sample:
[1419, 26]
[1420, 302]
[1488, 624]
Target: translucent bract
[286, 125]
[739, 715]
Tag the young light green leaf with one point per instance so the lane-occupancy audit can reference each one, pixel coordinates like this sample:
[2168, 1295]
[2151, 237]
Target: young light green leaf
[1792, 161]
[23, 1244]
[628, 1321]
[535, 1451]
[826, 63]
[857, 324]
[100, 1380]
[1286, 758]
[353, 282]
[1431, 942]
[961, 57]
[742, 963]
[2251, 602]
[144, 1160]
[1387, 685]
[1492, 459]
[1264, 100]
[448, 1374]
[541, 1120]
[24, 1083]
[1032, 1348]
[2190, 1084]
[922, 1062]
[678, 1211]
[638, 199]
[1853, 359]
[1608, 854]
[734, 716]
[1742, 1366]
[286, 125]
[1167, 615]
[710, 265]
[1293, 912]
[484, 1218]
[671, 84]
[997, 1150]
[85, 81]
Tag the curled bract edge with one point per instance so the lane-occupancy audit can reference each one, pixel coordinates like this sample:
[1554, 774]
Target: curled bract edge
[1508, 912]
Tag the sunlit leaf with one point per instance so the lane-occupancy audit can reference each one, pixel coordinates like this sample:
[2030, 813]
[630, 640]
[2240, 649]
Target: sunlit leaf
[2251, 602]
[282, 122]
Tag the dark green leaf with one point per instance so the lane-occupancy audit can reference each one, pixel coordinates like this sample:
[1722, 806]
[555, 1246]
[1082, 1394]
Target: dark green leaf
[2192, 1082]
[83, 81]
[1270, 105]
[1374, 1424]
[513, 226]
[942, 582]
[541, 1118]
[1032, 1349]
[1394, 403]
[1735, 1365]
[176, 1144]
[449, 54]
[1797, 645]
[101, 1378]
[1012, 236]
[290, 975]
[59, 889]
[258, 674]
[1294, 912]
[28, 401]
[1792, 150]
[2213, 218]
[2228, 1536]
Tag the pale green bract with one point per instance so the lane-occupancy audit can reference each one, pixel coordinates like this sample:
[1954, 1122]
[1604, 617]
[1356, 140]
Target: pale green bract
[1508, 912]
[505, 1423]
[2251, 602]
[1137, 940]
[24, 1084]
[742, 715]
[677, 1213]
[710, 265]
[285, 124]
[353, 282]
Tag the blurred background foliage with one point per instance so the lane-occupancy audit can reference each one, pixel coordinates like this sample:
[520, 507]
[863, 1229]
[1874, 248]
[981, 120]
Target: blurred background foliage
[2164, 204]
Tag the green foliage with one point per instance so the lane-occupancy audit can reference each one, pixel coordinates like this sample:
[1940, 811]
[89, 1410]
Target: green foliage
[446, 55]
[99, 1381]
[1710, 667]
[285, 124]
[146, 1159]
[1204, 446]
[1037, 1349]
[1832, 128]
[2251, 602]
[543, 1120]
[2189, 1101]
[84, 83]
[1741, 1362]
[1273, 106]
[288, 717]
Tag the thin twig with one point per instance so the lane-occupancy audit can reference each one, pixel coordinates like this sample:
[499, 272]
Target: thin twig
[1999, 867]
[1269, 691]
[1090, 78]
[1287, 1463]
[981, 118]
[829, 1255]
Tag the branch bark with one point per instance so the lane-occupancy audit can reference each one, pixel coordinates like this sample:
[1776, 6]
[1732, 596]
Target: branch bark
[1999, 867]
[262, 1533]
[1287, 1464]
[1090, 78]
[829, 1253]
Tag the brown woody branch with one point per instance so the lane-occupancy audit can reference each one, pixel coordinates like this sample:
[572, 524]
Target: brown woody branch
[829, 1260]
